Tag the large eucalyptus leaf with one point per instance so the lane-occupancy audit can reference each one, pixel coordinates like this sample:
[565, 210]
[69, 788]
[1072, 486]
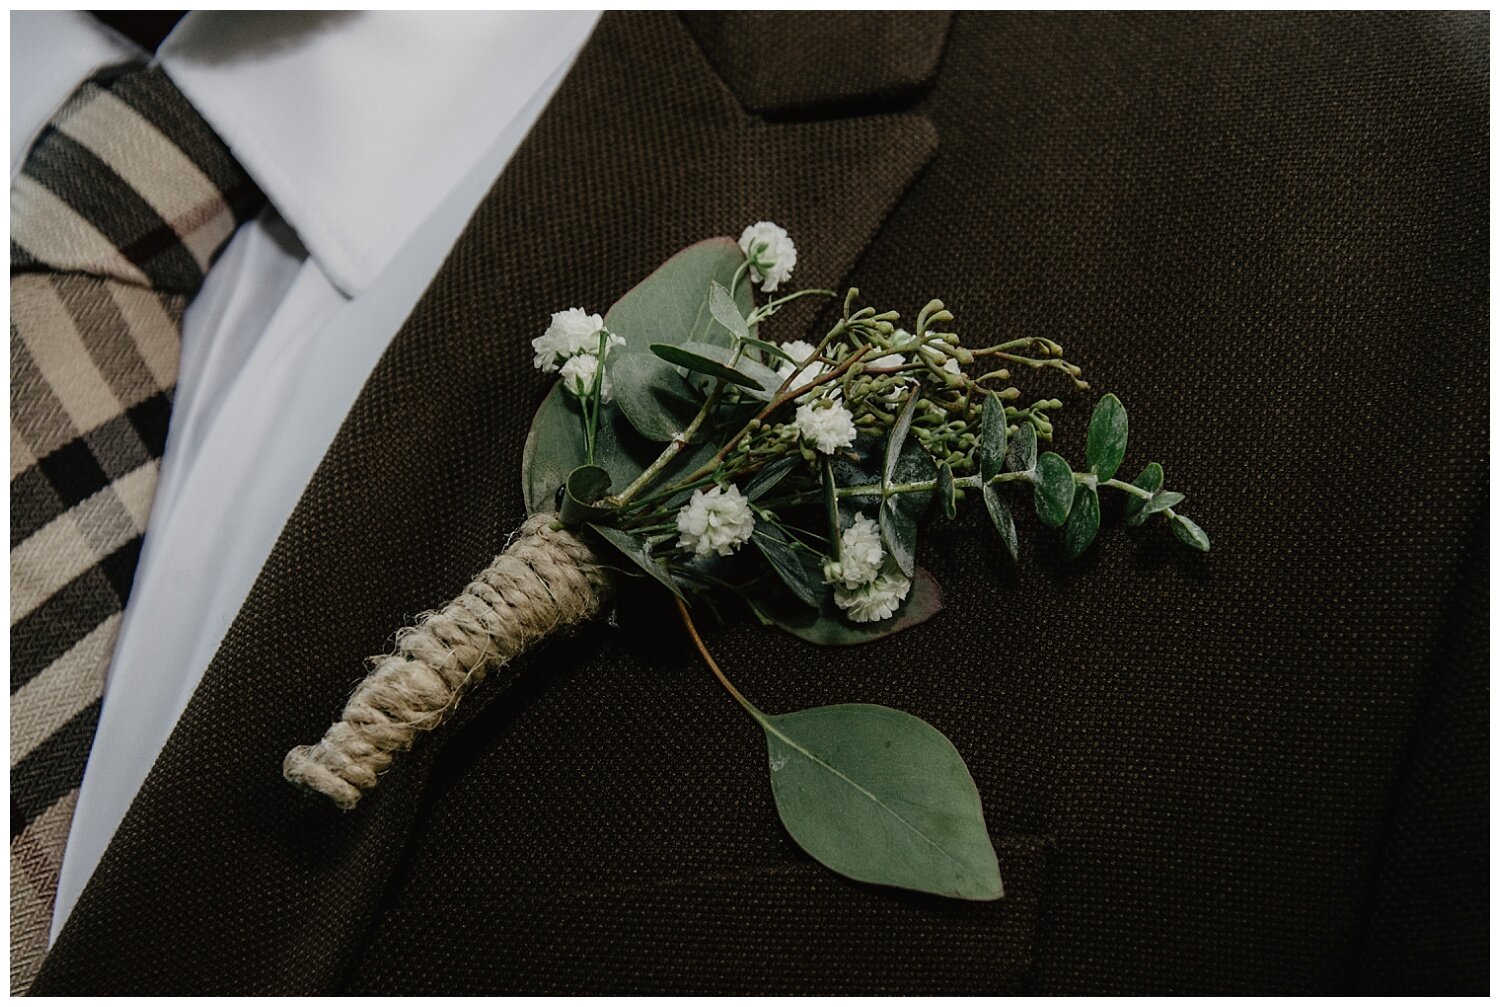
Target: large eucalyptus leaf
[1083, 522]
[1053, 490]
[1150, 480]
[992, 425]
[805, 583]
[1021, 457]
[671, 305]
[658, 402]
[1108, 432]
[1000, 516]
[634, 550]
[883, 797]
[555, 447]
[827, 626]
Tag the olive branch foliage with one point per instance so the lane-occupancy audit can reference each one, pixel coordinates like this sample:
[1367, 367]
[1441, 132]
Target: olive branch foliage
[701, 399]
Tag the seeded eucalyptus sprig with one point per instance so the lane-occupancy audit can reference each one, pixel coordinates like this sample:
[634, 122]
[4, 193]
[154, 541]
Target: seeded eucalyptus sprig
[795, 477]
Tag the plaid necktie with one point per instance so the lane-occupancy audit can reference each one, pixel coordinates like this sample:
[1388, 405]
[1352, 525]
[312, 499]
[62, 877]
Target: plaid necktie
[122, 204]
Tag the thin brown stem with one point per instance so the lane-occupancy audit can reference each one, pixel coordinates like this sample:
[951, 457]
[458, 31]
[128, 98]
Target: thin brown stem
[708, 659]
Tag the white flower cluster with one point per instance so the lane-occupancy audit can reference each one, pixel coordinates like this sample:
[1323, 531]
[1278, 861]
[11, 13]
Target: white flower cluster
[799, 350]
[571, 345]
[828, 425]
[771, 253]
[865, 586]
[718, 521]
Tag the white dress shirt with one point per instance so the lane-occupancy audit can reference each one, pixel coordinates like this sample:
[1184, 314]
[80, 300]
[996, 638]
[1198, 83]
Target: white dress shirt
[374, 135]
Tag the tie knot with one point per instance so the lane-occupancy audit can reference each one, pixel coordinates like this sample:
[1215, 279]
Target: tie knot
[127, 181]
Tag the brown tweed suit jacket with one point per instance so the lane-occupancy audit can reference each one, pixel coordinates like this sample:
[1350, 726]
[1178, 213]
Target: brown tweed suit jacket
[1259, 771]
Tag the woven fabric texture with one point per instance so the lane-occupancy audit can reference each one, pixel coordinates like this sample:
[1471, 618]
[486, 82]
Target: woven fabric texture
[1253, 771]
[121, 205]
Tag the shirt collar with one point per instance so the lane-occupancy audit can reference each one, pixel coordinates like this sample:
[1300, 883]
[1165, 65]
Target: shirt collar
[357, 124]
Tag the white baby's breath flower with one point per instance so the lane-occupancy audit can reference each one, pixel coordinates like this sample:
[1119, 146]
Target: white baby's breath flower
[799, 351]
[828, 428]
[717, 521]
[572, 332]
[771, 252]
[861, 556]
[578, 376]
[876, 600]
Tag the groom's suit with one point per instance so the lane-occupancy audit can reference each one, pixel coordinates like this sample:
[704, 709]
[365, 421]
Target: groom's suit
[1261, 770]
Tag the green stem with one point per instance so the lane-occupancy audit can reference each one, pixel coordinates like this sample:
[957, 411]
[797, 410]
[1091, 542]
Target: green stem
[1133, 490]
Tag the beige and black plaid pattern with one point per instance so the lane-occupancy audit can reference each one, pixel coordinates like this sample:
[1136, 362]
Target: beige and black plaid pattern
[122, 204]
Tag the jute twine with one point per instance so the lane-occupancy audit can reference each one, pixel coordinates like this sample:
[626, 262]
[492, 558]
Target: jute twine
[545, 580]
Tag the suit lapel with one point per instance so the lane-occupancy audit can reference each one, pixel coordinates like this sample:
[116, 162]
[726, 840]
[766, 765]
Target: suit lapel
[221, 877]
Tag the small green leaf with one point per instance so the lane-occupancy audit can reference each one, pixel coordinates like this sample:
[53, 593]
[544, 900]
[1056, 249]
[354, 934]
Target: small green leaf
[704, 364]
[1189, 533]
[828, 626]
[947, 492]
[658, 402]
[1150, 480]
[1108, 432]
[1083, 522]
[768, 477]
[992, 438]
[1022, 454]
[882, 797]
[771, 348]
[776, 546]
[725, 311]
[1000, 515]
[1053, 492]
[583, 487]
[634, 550]
[897, 440]
[1163, 500]
[898, 530]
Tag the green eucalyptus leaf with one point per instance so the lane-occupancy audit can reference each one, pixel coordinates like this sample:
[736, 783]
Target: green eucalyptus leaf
[947, 492]
[771, 348]
[1021, 457]
[658, 402]
[584, 486]
[897, 440]
[1005, 524]
[882, 797]
[725, 311]
[1108, 432]
[776, 546]
[767, 478]
[1053, 491]
[701, 363]
[554, 447]
[898, 530]
[1189, 533]
[1163, 500]
[1151, 479]
[992, 426]
[1083, 522]
[634, 550]
[829, 627]
[671, 305]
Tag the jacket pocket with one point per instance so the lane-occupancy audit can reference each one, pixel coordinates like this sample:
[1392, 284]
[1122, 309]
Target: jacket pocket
[788, 929]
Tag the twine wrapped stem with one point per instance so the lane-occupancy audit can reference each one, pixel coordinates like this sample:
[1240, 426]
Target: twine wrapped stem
[545, 580]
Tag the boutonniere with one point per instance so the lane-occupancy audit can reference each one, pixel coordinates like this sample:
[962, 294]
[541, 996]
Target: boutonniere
[684, 447]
